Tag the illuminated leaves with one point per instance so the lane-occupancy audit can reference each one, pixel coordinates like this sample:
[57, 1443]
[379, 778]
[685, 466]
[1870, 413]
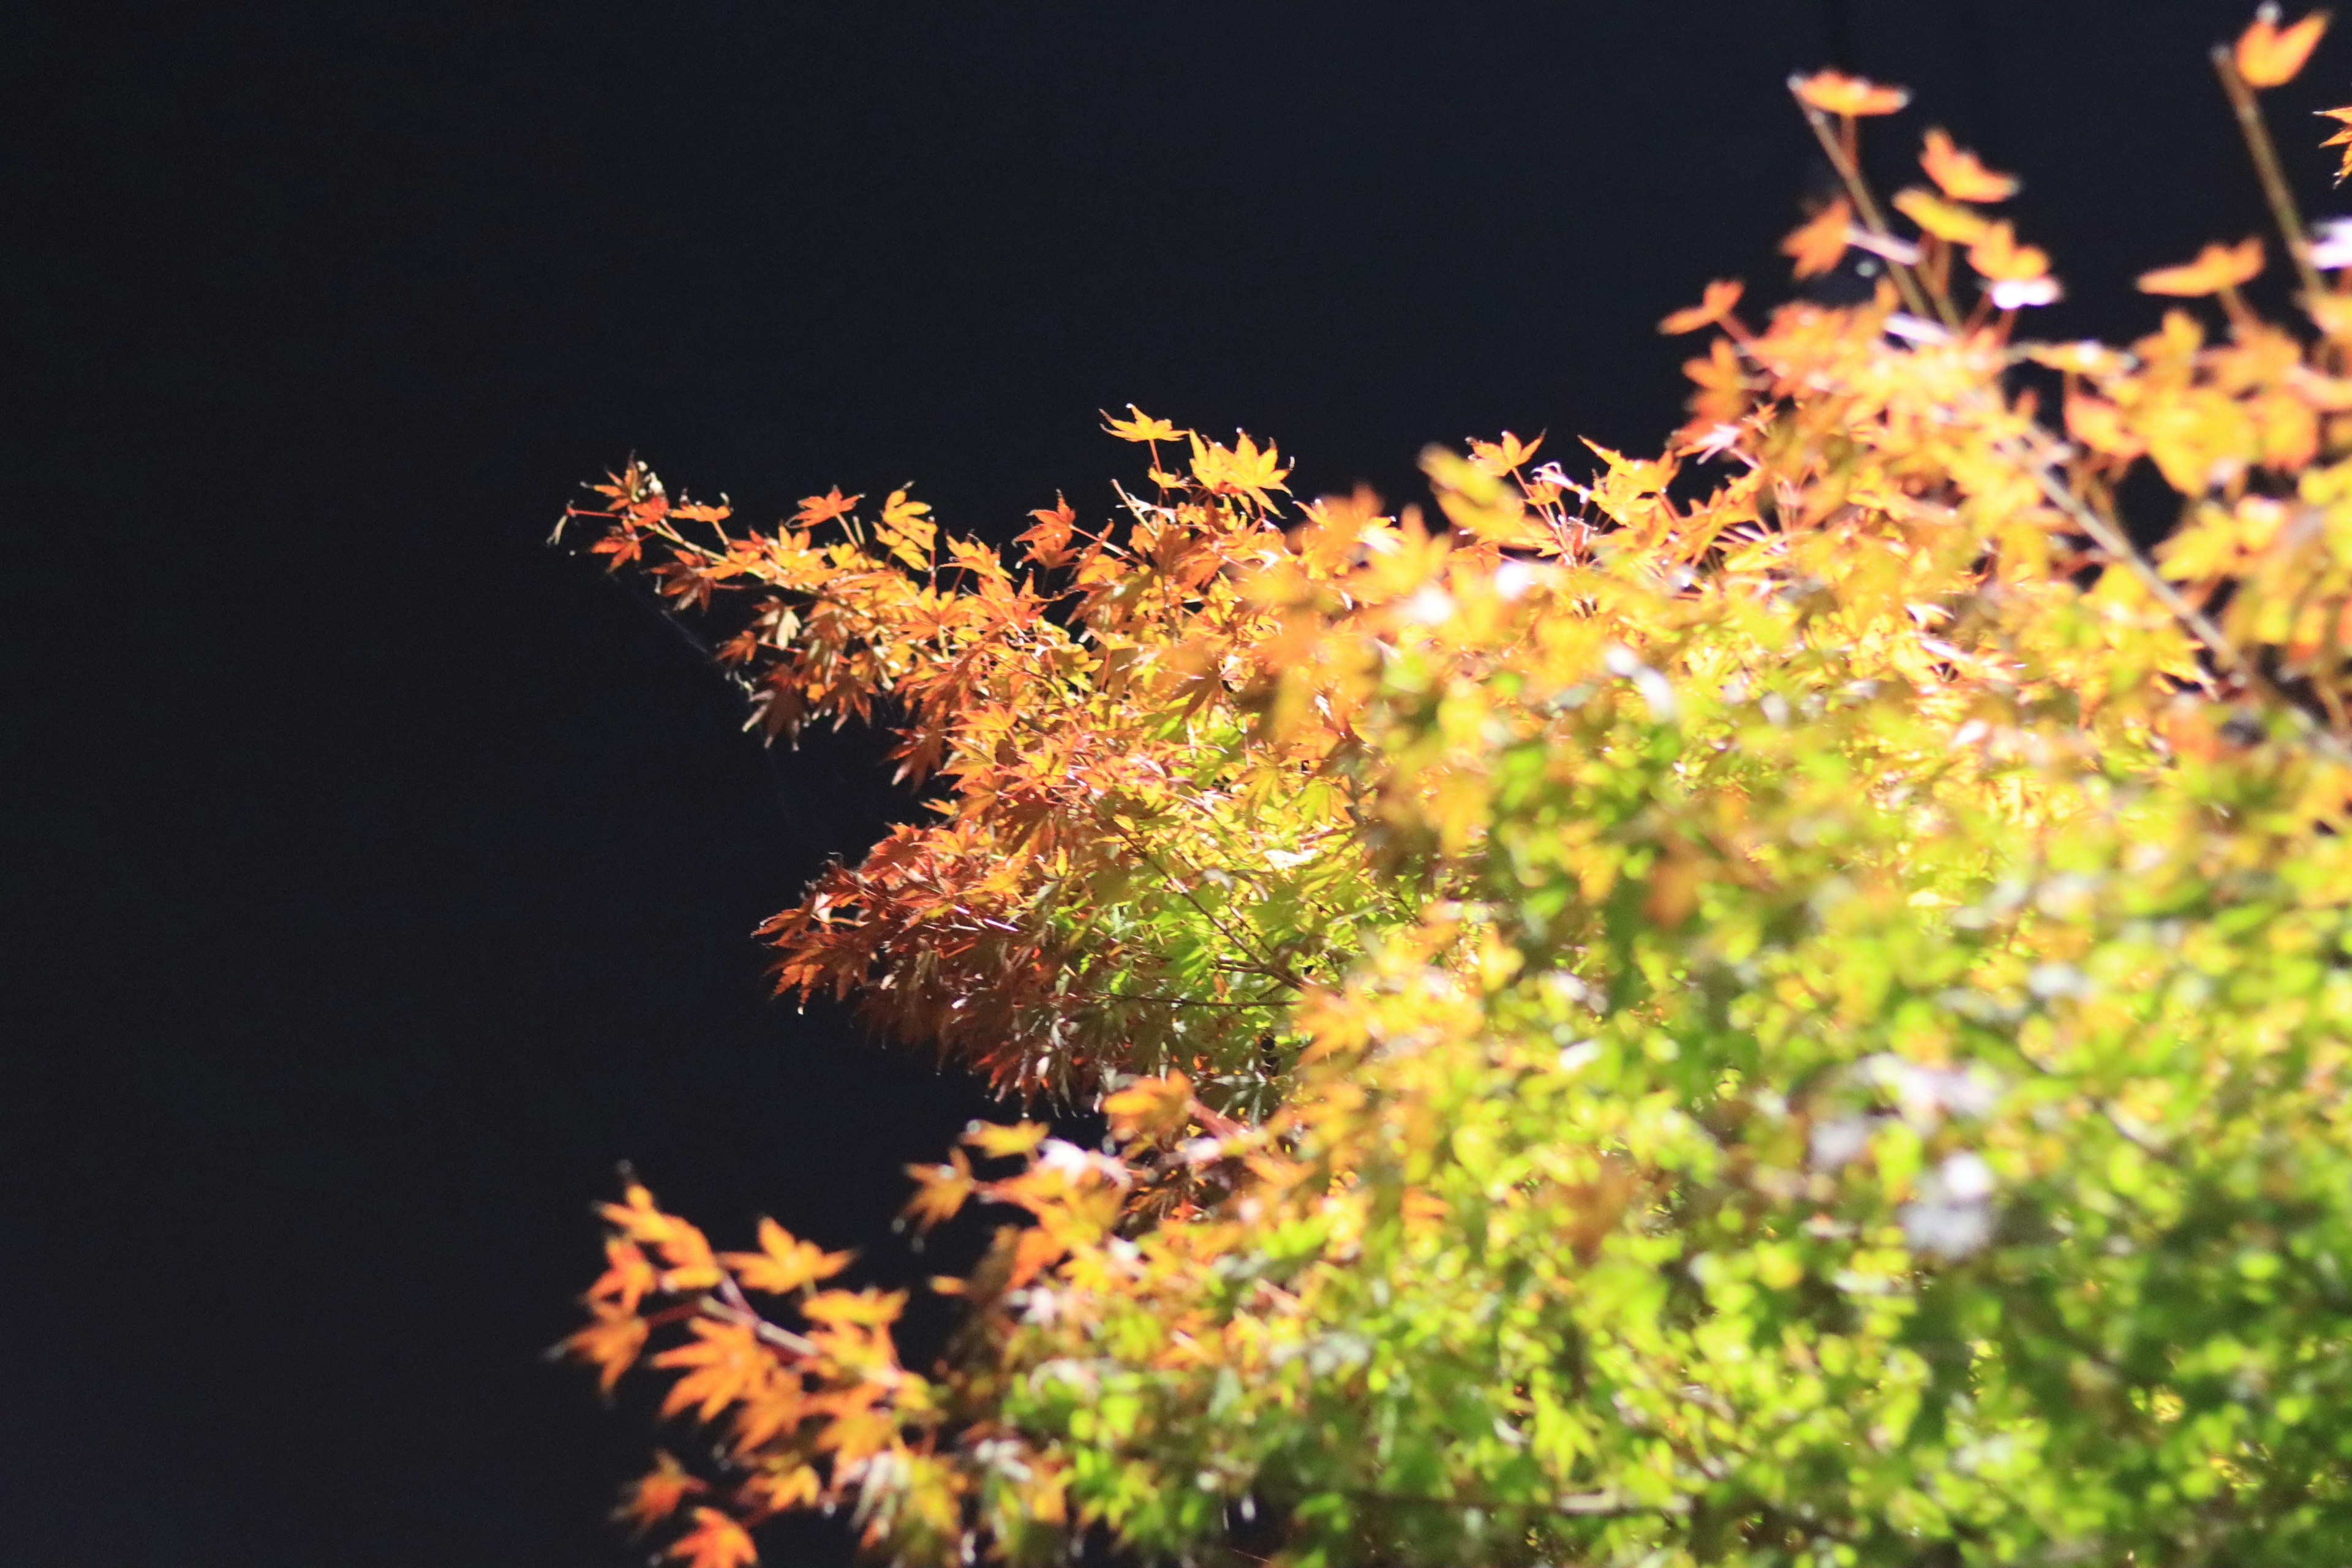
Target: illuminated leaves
[1770, 1003]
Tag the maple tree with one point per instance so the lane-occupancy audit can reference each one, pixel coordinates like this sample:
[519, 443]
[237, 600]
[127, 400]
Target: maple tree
[1789, 1001]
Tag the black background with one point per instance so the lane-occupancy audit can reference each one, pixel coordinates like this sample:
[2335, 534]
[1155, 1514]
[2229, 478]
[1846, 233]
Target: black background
[381, 878]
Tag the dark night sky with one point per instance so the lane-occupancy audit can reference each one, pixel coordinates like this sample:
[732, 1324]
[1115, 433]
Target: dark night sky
[381, 877]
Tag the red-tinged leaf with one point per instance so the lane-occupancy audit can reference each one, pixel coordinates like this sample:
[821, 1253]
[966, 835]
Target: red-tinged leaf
[815, 510]
[1048, 543]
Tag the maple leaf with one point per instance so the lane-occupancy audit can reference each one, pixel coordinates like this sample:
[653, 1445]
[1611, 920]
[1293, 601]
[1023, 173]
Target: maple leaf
[638, 1218]
[1820, 240]
[727, 1361]
[1241, 469]
[906, 532]
[787, 1487]
[783, 1263]
[1499, 458]
[1141, 428]
[1048, 543]
[623, 545]
[1956, 225]
[1999, 259]
[2268, 55]
[628, 1276]
[1714, 305]
[940, 1190]
[2217, 267]
[1151, 1107]
[1000, 1141]
[867, 1309]
[1833, 92]
[611, 1344]
[1958, 174]
[824, 508]
[655, 1495]
[2341, 138]
[715, 1541]
[687, 1252]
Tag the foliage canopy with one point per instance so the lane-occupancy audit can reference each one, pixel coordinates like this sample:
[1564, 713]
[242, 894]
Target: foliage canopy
[1789, 1001]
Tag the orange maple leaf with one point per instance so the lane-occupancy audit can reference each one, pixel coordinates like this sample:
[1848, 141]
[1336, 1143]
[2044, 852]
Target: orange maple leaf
[783, 1263]
[628, 1275]
[692, 1265]
[940, 1190]
[1820, 240]
[1241, 469]
[1999, 259]
[638, 1216]
[824, 508]
[611, 1344]
[1713, 306]
[2217, 267]
[654, 1496]
[1152, 1105]
[1834, 92]
[1959, 175]
[1499, 458]
[1048, 543]
[1143, 427]
[715, 1541]
[2269, 54]
[728, 1362]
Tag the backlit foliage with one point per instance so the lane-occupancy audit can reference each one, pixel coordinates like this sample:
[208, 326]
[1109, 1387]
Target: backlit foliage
[1785, 1001]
